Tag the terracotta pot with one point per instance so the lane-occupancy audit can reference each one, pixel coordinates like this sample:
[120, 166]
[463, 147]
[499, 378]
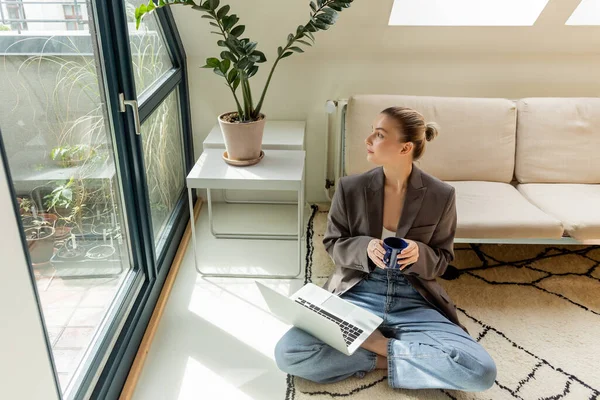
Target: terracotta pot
[243, 141]
[40, 242]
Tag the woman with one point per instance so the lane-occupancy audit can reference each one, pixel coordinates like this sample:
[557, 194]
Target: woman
[420, 343]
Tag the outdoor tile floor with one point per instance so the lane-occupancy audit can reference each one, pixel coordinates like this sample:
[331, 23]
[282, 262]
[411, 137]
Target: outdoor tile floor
[73, 310]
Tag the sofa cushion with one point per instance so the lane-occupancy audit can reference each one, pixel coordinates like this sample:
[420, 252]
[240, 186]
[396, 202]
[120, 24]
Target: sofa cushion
[558, 140]
[494, 210]
[577, 206]
[477, 135]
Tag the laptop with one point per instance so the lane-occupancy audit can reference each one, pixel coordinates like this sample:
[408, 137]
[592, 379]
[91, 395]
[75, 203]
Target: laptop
[337, 322]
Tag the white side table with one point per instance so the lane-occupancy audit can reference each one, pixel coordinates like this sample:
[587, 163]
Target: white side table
[278, 135]
[278, 170]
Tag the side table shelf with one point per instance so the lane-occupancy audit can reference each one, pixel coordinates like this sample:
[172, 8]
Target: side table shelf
[279, 170]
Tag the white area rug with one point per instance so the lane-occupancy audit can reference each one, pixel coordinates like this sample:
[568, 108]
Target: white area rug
[535, 309]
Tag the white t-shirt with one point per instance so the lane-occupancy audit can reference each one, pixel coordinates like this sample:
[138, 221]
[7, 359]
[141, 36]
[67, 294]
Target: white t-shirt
[385, 233]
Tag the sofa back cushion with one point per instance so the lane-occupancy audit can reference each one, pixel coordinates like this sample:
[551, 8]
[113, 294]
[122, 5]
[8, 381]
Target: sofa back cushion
[558, 140]
[476, 141]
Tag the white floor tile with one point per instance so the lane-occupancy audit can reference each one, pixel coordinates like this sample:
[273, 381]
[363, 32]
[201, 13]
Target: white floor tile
[216, 339]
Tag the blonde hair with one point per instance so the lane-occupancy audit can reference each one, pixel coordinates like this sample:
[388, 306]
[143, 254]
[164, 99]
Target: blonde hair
[413, 128]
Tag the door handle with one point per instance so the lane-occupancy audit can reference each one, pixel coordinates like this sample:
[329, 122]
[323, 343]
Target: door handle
[136, 113]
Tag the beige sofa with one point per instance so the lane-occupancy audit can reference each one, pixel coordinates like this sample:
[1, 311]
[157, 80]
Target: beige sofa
[525, 171]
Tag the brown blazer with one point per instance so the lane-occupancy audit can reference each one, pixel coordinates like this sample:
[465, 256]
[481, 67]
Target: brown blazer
[428, 218]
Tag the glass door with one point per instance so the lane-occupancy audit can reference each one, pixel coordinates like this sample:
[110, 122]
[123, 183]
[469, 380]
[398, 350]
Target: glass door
[157, 75]
[63, 160]
[97, 136]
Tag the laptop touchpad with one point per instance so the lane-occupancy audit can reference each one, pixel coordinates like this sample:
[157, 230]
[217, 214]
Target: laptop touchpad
[338, 306]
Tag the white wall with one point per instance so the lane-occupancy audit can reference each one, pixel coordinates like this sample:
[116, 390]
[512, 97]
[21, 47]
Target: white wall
[25, 366]
[362, 54]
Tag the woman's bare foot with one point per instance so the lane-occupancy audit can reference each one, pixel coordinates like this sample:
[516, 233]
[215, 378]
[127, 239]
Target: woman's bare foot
[376, 343]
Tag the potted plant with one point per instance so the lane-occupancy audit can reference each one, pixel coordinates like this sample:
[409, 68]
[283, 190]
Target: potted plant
[238, 62]
[40, 241]
[69, 156]
[67, 201]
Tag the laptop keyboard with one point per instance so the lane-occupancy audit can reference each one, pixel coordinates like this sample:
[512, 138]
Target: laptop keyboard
[349, 331]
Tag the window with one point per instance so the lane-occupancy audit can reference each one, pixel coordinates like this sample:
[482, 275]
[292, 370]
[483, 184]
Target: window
[16, 16]
[466, 12]
[100, 221]
[73, 13]
[587, 13]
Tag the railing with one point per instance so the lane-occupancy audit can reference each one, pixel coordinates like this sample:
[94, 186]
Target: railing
[21, 5]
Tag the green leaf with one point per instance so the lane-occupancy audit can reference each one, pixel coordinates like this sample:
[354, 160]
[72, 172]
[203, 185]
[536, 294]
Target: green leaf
[238, 30]
[213, 62]
[261, 55]
[250, 47]
[303, 42]
[299, 30]
[330, 11]
[233, 43]
[290, 38]
[224, 67]
[296, 49]
[252, 71]
[223, 11]
[287, 54]
[222, 43]
[228, 22]
[236, 83]
[219, 72]
[214, 24]
[321, 25]
[232, 75]
[310, 27]
[336, 6]
[327, 18]
[207, 16]
[202, 7]
[243, 63]
[161, 3]
[279, 50]
[139, 13]
[320, 3]
[227, 55]
[213, 4]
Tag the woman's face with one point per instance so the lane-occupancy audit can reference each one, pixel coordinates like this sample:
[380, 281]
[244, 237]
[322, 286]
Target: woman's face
[383, 144]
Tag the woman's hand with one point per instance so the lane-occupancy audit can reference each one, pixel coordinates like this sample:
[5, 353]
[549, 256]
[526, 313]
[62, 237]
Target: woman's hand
[409, 255]
[375, 251]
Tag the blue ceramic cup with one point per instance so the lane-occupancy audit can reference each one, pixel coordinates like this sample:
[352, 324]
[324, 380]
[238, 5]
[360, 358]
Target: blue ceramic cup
[393, 246]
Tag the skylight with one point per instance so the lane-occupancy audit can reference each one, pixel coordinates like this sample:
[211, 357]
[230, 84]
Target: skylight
[587, 13]
[467, 12]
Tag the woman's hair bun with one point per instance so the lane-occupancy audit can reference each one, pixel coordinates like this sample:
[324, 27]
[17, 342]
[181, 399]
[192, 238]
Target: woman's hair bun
[431, 131]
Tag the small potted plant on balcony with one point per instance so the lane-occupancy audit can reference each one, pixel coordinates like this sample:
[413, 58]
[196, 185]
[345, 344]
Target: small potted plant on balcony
[70, 156]
[40, 241]
[238, 62]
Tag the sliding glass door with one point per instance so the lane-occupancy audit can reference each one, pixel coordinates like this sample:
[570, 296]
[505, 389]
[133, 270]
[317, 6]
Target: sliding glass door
[97, 135]
[156, 88]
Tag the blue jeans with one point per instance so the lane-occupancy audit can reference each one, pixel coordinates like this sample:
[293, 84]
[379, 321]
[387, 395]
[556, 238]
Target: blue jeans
[426, 349]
